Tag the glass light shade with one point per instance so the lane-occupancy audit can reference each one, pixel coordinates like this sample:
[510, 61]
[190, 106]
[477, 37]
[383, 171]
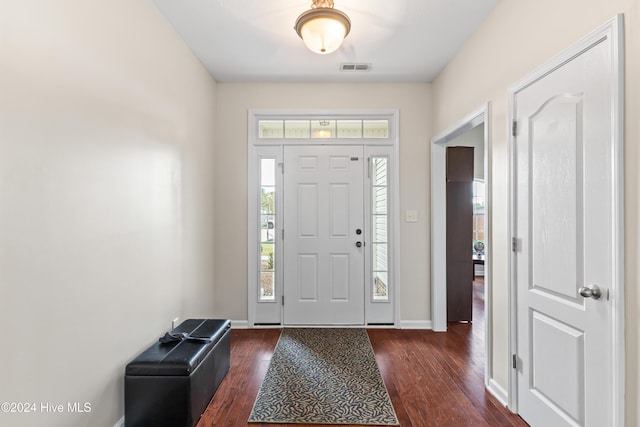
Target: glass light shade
[323, 29]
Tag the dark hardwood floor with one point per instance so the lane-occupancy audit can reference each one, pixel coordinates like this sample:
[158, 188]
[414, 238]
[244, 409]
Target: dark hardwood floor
[434, 379]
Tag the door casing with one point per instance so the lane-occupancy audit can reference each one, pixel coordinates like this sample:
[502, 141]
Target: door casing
[386, 147]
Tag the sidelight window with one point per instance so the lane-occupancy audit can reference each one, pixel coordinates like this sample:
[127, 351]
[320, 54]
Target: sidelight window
[267, 229]
[380, 227]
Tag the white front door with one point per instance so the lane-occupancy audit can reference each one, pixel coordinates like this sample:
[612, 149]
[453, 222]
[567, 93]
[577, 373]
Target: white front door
[323, 235]
[566, 222]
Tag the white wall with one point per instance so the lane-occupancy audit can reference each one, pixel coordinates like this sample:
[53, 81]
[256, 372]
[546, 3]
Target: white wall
[516, 38]
[106, 199]
[234, 100]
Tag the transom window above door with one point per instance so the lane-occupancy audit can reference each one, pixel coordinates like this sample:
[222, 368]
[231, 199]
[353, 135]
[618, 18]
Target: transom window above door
[323, 129]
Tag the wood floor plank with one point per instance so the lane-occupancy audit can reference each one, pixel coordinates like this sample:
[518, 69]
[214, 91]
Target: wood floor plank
[434, 379]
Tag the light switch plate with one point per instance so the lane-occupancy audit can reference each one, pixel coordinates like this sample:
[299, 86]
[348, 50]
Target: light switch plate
[411, 216]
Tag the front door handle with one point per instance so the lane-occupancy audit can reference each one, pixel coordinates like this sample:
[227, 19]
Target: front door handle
[592, 291]
[358, 244]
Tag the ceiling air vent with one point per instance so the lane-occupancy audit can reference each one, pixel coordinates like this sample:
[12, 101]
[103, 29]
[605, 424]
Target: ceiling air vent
[355, 67]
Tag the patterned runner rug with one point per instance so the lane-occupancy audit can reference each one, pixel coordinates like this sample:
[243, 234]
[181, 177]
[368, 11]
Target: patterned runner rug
[323, 376]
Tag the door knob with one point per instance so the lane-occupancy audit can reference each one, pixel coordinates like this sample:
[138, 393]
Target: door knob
[358, 244]
[592, 291]
[358, 231]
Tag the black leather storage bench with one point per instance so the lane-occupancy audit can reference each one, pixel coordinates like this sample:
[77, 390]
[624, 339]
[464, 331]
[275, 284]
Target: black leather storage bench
[171, 384]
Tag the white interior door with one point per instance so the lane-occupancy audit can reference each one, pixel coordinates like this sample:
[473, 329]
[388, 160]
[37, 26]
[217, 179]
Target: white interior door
[323, 250]
[565, 222]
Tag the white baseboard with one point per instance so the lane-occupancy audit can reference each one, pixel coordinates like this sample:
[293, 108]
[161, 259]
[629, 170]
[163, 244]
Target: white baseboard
[498, 392]
[416, 324]
[120, 422]
[240, 324]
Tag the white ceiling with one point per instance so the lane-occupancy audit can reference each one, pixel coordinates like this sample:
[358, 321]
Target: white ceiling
[254, 40]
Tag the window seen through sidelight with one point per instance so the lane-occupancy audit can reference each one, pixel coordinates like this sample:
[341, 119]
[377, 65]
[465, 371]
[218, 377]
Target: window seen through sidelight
[478, 215]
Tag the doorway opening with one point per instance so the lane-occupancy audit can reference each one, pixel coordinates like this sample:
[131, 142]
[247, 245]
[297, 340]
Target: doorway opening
[473, 130]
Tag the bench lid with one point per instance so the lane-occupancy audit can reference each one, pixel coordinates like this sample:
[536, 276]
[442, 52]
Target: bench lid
[180, 358]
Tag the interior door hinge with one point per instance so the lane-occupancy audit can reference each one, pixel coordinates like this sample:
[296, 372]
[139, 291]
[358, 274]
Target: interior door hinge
[514, 244]
[514, 361]
[281, 167]
[283, 234]
[514, 128]
[282, 299]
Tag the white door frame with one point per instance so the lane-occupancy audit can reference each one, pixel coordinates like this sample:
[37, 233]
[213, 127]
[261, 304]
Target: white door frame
[613, 30]
[439, 227]
[386, 147]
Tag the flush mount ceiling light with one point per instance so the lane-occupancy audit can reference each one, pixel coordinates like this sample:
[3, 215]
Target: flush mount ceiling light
[323, 28]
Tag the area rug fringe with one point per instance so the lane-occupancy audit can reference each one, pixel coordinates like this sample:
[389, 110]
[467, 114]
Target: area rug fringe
[323, 376]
